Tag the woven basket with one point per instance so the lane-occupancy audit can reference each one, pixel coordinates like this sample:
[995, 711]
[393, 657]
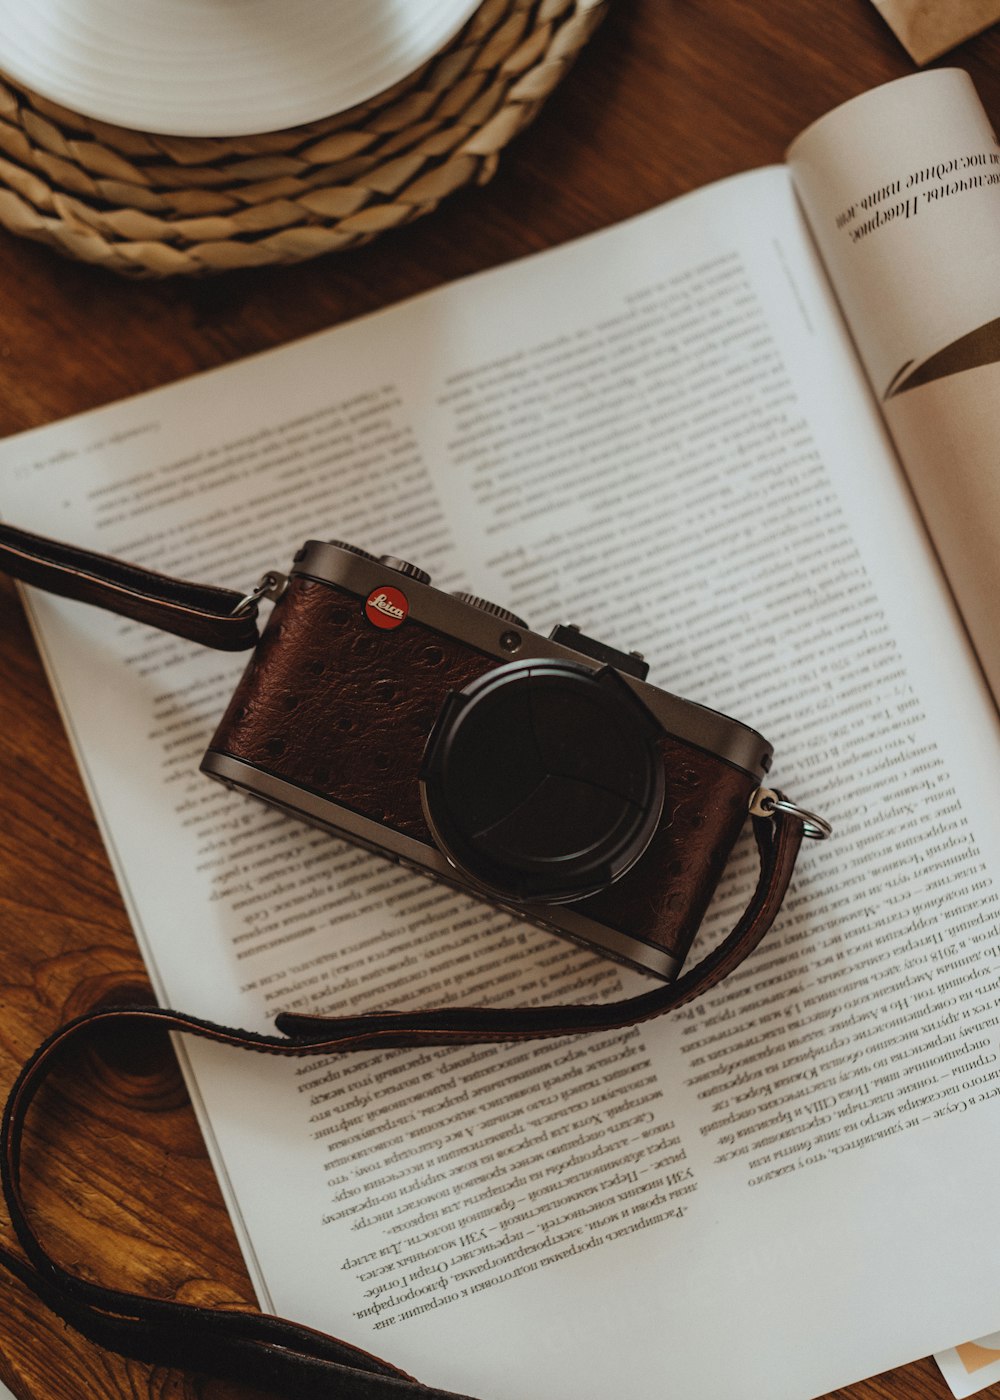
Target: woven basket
[154, 206]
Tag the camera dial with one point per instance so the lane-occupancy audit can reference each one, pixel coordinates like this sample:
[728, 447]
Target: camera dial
[403, 566]
[542, 780]
[342, 544]
[494, 609]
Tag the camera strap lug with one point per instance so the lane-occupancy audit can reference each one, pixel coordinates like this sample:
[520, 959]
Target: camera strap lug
[270, 585]
[765, 802]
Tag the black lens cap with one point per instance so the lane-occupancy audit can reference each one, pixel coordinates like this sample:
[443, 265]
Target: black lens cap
[542, 780]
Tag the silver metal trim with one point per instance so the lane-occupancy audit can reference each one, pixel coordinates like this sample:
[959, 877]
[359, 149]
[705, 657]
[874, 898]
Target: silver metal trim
[271, 585]
[695, 724]
[405, 850]
[765, 802]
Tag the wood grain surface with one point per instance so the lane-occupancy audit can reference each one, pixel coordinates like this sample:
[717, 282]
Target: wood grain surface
[670, 95]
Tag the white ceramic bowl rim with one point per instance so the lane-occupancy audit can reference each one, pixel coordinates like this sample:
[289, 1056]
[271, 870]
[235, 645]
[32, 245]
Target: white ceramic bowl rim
[219, 67]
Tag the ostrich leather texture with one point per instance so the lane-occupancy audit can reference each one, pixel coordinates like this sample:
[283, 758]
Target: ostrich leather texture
[343, 709]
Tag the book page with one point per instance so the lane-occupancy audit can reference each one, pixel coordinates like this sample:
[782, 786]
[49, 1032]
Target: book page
[659, 433]
[929, 28]
[902, 191]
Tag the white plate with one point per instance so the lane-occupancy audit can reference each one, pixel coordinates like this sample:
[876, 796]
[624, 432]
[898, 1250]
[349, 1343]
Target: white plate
[219, 67]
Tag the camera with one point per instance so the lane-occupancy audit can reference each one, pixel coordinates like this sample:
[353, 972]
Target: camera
[544, 774]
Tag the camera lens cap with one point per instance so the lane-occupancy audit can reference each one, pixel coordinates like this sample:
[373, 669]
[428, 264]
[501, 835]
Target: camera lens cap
[542, 780]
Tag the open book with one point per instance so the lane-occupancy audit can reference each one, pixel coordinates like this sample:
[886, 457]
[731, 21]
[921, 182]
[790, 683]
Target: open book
[686, 435]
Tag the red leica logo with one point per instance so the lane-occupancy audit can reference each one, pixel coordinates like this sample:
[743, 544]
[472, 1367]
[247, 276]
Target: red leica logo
[386, 607]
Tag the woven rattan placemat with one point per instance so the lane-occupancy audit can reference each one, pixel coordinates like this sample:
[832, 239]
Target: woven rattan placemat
[154, 206]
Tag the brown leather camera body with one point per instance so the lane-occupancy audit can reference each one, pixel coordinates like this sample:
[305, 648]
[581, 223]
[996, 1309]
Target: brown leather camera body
[332, 716]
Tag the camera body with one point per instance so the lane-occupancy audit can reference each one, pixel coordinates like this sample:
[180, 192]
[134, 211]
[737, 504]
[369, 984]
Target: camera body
[542, 773]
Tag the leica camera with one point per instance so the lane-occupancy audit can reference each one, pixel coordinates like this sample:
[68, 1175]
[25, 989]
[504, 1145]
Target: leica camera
[544, 774]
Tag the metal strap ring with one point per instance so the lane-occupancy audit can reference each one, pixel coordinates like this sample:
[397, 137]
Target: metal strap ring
[765, 802]
[270, 586]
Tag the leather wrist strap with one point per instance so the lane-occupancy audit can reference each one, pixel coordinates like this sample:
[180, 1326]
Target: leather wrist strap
[264, 1350]
[778, 841]
[192, 610]
[242, 1346]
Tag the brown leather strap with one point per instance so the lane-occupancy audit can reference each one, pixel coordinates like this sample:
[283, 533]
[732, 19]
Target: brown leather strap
[195, 611]
[778, 841]
[249, 1347]
[261, 1349]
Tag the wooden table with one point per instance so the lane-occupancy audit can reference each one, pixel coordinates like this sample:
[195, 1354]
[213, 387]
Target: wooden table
[671, 94]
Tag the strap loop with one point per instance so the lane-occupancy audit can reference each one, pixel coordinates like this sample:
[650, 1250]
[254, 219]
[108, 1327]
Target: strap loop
[258, 1348]
[765, 802]
[251, 1347]
[197, 612]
